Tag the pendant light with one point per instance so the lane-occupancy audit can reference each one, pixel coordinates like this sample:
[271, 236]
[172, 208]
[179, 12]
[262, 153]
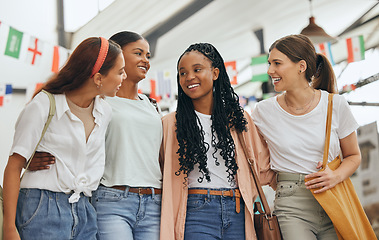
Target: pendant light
[315, 32]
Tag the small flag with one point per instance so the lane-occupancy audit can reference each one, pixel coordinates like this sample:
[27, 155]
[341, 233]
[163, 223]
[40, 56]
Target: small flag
[13, 43]
[34, 51]
[355, 49]
[259, 68]
[164, 83]
[231, 69]
[153, 93]
[325, 49]
[55, 65]
[5, 94]
[60, 56]
[349, 88]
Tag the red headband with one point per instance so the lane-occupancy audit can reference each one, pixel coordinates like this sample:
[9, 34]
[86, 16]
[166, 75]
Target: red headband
[101, 57]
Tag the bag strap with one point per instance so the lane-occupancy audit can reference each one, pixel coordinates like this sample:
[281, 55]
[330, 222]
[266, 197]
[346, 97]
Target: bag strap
[155, 104]
[328, 130]
[255, 176]
[51, 114]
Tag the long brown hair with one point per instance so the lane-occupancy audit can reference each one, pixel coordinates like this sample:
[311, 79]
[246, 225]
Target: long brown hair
[319, 70]
[79, 66]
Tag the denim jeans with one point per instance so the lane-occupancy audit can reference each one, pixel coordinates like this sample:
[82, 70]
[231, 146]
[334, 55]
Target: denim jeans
[42, 214]
[299, 214]
[214, 217]
[127, 215]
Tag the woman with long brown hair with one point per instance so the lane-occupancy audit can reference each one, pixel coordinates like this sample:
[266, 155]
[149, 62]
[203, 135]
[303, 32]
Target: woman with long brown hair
[53, 203]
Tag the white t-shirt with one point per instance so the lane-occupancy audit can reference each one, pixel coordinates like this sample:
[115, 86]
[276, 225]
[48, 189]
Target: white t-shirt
[79, 163]
[133, 141]
[296, 143]
[218, 174]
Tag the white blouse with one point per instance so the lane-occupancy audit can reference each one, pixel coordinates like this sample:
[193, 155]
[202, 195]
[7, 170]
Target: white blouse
[79, 165]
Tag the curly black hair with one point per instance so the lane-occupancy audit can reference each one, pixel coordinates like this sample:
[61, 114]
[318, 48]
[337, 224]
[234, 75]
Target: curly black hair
[227, 114]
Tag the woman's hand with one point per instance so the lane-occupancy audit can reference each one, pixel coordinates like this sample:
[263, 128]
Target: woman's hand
[40, 161]
[324, 180]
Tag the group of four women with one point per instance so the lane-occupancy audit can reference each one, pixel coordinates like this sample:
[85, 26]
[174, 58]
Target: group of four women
[207, 191]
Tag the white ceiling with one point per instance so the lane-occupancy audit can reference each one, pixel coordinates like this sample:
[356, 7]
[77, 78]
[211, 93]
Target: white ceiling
[230, 26]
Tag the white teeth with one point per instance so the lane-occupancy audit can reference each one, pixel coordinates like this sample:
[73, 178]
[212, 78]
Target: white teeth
[193, 85]
[144, 68]
[276, 79]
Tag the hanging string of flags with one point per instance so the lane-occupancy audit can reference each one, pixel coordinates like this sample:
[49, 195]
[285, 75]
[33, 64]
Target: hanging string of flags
[34, 49]
[17, 47]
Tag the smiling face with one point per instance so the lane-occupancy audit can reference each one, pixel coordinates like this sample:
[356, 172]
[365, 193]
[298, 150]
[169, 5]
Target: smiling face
[196, 76]
[284, 73]
[137, 64]
[111, 82]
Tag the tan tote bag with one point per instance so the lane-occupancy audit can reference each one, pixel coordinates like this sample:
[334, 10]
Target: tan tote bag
[341, 202]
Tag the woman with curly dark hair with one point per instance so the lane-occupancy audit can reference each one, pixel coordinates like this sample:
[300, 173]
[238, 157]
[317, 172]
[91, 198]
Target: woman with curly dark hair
[208, 191]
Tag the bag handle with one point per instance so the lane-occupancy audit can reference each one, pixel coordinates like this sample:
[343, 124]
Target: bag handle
[328, 130]
[255, 176]
[51, 114]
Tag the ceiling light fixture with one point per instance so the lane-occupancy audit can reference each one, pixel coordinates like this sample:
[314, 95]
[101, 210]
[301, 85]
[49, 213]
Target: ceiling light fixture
[315, 32]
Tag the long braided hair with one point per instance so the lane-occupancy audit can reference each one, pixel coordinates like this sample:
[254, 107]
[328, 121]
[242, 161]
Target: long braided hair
[227, 114]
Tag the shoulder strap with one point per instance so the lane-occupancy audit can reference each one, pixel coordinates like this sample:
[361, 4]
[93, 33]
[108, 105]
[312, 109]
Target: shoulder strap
[255, 176]
[328, 129]
[155, 104]
[51, 114]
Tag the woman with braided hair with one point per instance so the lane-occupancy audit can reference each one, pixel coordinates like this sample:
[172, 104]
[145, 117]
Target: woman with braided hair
[208, 190]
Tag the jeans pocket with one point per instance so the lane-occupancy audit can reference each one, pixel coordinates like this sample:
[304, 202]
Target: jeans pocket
[158, 199]
[28, 206]
[196, 202]
[286, 189]
[106, 195]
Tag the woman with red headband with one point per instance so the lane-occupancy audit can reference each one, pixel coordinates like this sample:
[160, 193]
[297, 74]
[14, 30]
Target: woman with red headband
[53, 203]
[128, 200]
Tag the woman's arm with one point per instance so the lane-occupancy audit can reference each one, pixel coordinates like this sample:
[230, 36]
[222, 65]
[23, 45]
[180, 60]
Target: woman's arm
[10, 194]
[351, 160]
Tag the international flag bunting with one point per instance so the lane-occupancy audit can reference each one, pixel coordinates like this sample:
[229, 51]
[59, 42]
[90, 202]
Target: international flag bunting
[13, 46]
[355, 49]
[231, 69]
[34, 51]
[5, 94]
[259, 68]
[325, 49]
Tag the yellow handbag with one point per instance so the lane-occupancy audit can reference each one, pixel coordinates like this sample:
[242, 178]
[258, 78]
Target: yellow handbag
[51, 114]
[341, 202]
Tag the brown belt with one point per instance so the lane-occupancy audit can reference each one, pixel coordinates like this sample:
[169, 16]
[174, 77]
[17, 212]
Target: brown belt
[140, 191]
[227, 193]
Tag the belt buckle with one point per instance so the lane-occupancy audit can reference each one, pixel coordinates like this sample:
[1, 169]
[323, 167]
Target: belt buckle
[140, 191]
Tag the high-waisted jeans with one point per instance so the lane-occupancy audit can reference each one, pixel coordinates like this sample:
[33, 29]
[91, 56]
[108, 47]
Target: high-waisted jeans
[43, 214]
[212, 217]
[126, 215]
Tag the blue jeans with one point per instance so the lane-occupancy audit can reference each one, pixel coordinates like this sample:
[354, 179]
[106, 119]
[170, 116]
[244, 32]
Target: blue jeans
[43, 214]
[127, 215]
[212, 217]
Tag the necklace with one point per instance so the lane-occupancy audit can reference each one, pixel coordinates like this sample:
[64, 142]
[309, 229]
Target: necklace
[309, 104]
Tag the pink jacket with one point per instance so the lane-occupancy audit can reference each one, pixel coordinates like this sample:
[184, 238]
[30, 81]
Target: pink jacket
[174, 197]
